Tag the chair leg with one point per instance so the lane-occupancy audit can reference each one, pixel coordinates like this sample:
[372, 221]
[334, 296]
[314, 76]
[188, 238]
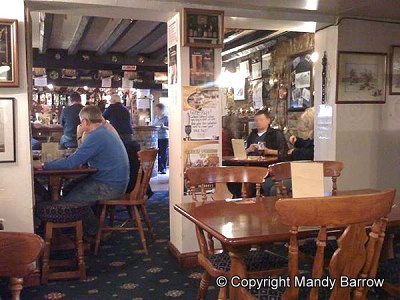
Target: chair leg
[140, 228]
[147, 220]
[205, 279]
[112, 216]
[223, 293]
[101, 226]
[16, 286]
[46, 254]
[80, 251]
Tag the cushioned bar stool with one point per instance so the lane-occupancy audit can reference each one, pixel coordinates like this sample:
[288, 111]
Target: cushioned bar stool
[57, 215]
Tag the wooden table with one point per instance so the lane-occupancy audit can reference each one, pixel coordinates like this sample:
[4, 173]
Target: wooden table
[55, 177]
[259, 161]
[238, 226]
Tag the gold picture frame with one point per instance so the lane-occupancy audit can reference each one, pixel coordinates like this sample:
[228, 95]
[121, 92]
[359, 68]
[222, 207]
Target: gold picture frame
[9, 75]
[203, 28]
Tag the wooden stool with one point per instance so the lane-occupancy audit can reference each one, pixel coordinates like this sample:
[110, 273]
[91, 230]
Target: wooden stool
[57, 215]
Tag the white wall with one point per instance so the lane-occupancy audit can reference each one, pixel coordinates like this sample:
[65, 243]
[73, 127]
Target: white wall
[16, 178]
[326, 41]
[368, 140]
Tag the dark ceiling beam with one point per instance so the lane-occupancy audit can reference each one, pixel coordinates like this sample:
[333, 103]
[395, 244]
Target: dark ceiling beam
[226, 52]
[122, 28]
[159, 54]
[90, 61]
[246, 40]
[80, 33]
[149, 39]
[63, 82]
[45, 28]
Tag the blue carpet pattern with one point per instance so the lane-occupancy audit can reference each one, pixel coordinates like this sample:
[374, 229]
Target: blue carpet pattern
[123, 271]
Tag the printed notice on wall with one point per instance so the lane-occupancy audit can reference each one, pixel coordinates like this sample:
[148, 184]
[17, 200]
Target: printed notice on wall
[201, 113]
[324, 121]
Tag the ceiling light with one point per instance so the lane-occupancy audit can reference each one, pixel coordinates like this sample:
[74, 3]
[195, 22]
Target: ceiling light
[314, 57]
[50, 86]
[85, 87]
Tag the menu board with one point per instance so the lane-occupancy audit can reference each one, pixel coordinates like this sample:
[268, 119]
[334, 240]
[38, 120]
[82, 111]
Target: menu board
[201, 111]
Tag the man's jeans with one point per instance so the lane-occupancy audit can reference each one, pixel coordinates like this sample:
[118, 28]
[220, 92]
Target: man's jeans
[89, 191]
[67, 142]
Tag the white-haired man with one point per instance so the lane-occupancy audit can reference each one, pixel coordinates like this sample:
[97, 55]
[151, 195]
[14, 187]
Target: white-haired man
[120, 118]
[103, 150]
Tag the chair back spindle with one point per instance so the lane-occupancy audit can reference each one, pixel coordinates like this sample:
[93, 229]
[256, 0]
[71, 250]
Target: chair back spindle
[206, 177]
[358, 253]
[147, 158]
[281, 171]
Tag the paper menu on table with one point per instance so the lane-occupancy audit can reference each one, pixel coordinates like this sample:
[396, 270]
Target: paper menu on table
[307, 179]
[49, 151]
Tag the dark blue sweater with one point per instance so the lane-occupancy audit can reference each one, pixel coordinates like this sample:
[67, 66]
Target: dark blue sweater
[70, 120]
[101, 149]
[119, 117]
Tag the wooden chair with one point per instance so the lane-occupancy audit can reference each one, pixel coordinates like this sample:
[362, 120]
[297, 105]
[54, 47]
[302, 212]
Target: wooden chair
[358, 253]
[134, 202]
[204, 177]
[18, 252]
[217, 263]
[281, 171]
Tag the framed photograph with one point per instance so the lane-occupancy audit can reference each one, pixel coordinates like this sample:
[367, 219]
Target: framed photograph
[7, 130]
[394, 78]
[361, 77]
[256, 71]
[203, 28]
[244, 68]
[301, 87]
[239, 90]
[267, 63]
[8, 53]
[201, 66]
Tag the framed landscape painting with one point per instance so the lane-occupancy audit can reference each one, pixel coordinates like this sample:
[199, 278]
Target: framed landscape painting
[8, 53]
[7, 130]
[394, 78]
[361, 77]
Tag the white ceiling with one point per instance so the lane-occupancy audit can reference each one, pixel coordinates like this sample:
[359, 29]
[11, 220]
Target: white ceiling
[324, 11]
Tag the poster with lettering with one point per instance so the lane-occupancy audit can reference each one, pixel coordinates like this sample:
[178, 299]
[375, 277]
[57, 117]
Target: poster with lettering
[201, 113]
[199, 154]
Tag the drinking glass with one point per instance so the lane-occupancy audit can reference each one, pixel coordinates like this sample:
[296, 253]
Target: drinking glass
[261, 145]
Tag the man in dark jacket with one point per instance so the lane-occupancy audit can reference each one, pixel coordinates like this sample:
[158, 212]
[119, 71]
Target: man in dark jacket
[274, 140]
[70, 121]
[120, 118]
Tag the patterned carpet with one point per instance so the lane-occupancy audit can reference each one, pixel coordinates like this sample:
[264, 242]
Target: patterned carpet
[123, 271]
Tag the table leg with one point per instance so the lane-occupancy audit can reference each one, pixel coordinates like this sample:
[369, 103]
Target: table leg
[238, 267]
[55, 187]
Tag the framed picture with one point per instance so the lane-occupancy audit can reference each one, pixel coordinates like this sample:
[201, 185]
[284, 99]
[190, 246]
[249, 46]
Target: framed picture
[361, 77]
[239, 90]
[244, 68]
[394, 78]
[7, 130]
[202, 28]
[301, 83]
[201, 66]
[267, 64]
[8, 53]
[256, 71]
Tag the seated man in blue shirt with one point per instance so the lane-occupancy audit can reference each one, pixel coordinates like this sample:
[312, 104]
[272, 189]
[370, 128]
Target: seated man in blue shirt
[103, 150]
[120, 118]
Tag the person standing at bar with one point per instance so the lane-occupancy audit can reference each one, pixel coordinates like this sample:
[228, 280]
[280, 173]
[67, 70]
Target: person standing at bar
[160, 119]
[70, 120]
[120, 118]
